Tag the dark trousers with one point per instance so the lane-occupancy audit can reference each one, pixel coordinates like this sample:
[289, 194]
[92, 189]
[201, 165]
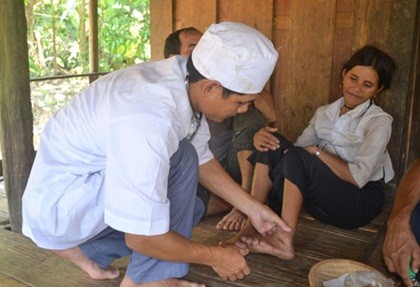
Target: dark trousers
[326, 197]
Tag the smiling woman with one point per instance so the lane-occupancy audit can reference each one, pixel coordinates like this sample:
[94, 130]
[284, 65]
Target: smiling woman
[365, 75]
[360, 84]
[335, 168]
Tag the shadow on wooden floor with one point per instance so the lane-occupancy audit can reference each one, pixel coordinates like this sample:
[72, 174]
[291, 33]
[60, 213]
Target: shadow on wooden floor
[23, 264]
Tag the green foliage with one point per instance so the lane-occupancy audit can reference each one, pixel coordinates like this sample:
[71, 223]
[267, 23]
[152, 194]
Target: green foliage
[58, 35]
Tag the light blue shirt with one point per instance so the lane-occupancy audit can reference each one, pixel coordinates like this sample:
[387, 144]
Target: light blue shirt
[359, 137]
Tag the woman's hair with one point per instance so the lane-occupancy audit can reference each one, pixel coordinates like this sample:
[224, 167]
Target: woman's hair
[194, 76]
[371, 56]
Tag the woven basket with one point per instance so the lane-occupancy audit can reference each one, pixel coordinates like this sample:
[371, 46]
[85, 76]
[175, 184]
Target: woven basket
[333, 268]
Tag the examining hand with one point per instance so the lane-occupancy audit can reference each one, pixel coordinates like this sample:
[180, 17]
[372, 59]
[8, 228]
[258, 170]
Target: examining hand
[231, 264]
[265, 221]
[400, 246]
[265, 140]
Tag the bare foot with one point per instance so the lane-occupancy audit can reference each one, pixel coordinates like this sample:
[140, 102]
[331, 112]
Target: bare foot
[77, 256]
[127, 282]
[247, 231]
[279, 244]
[233, 221]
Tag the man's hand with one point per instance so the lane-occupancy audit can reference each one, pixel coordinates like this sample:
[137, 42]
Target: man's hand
[400, 246]
[265, 221]
[264, 140]
[231, 264]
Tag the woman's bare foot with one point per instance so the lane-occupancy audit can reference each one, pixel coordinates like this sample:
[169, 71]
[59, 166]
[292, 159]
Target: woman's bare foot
[127, 282]
[233, 221]
[77, 256]
[247, 231]
[279, 244]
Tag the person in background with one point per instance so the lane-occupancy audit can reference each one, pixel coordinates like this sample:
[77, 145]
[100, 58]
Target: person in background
[117, 168]
[231, 140]
[335, 168]
[402, 238]
[181, 42]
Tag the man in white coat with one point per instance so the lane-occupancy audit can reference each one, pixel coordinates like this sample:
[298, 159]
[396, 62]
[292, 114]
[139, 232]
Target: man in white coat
[117, 169]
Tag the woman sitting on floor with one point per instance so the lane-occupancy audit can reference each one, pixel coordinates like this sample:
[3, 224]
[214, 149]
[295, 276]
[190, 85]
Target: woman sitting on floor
[334, 169]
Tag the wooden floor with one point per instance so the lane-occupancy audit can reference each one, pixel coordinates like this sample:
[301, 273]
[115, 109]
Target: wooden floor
[23, 264]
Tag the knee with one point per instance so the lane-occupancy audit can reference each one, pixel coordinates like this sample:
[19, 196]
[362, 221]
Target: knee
[284, 142]
[294, 154]
[295, 161]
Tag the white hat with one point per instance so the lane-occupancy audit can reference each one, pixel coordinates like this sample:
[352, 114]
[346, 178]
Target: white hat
[239, 57]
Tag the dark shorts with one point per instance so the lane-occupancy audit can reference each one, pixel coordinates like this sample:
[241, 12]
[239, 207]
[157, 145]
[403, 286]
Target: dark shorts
[244, 127]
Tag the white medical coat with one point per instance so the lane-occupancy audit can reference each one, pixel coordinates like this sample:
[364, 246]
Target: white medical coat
[104, 157]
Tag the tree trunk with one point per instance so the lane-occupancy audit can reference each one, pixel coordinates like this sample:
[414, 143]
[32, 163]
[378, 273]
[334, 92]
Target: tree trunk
[16, 120]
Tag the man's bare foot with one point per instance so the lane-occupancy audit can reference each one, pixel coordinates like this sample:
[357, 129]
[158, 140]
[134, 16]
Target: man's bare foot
[77, 256]
[233, 221]
[279, 244]
[127, 282]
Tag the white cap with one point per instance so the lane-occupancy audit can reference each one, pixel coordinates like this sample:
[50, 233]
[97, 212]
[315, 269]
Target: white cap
[239, 57]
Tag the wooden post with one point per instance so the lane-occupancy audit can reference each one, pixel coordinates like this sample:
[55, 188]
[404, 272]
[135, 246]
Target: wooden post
[93, 39]
[16, 120]
[161, 14]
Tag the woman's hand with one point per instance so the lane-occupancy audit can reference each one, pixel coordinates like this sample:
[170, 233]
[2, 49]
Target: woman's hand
[265, 140]
[336, 164]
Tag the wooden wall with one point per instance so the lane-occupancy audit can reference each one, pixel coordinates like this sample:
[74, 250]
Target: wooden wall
[314, 38]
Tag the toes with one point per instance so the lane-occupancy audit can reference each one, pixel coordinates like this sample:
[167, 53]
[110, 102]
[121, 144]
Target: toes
[113, 273]
[97, 272]
[233, 221]
[240, 244]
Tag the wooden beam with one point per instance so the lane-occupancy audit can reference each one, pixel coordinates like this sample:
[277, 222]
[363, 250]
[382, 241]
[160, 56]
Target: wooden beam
[304, 38]
[161, 25]
[412, 129]
[249, 14]
[16, 120]
[376, 23]
[93, 39]
[185, 14]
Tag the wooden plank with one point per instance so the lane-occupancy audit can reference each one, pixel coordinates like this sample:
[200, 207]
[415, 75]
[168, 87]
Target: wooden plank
[161, 25]
[343, 40]
[236, 10]
[10, 282]
[303, 84]
[314, 242]
[391, 26]
[186, 14]
[413, 128]
[280, 40]
[22, 260]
